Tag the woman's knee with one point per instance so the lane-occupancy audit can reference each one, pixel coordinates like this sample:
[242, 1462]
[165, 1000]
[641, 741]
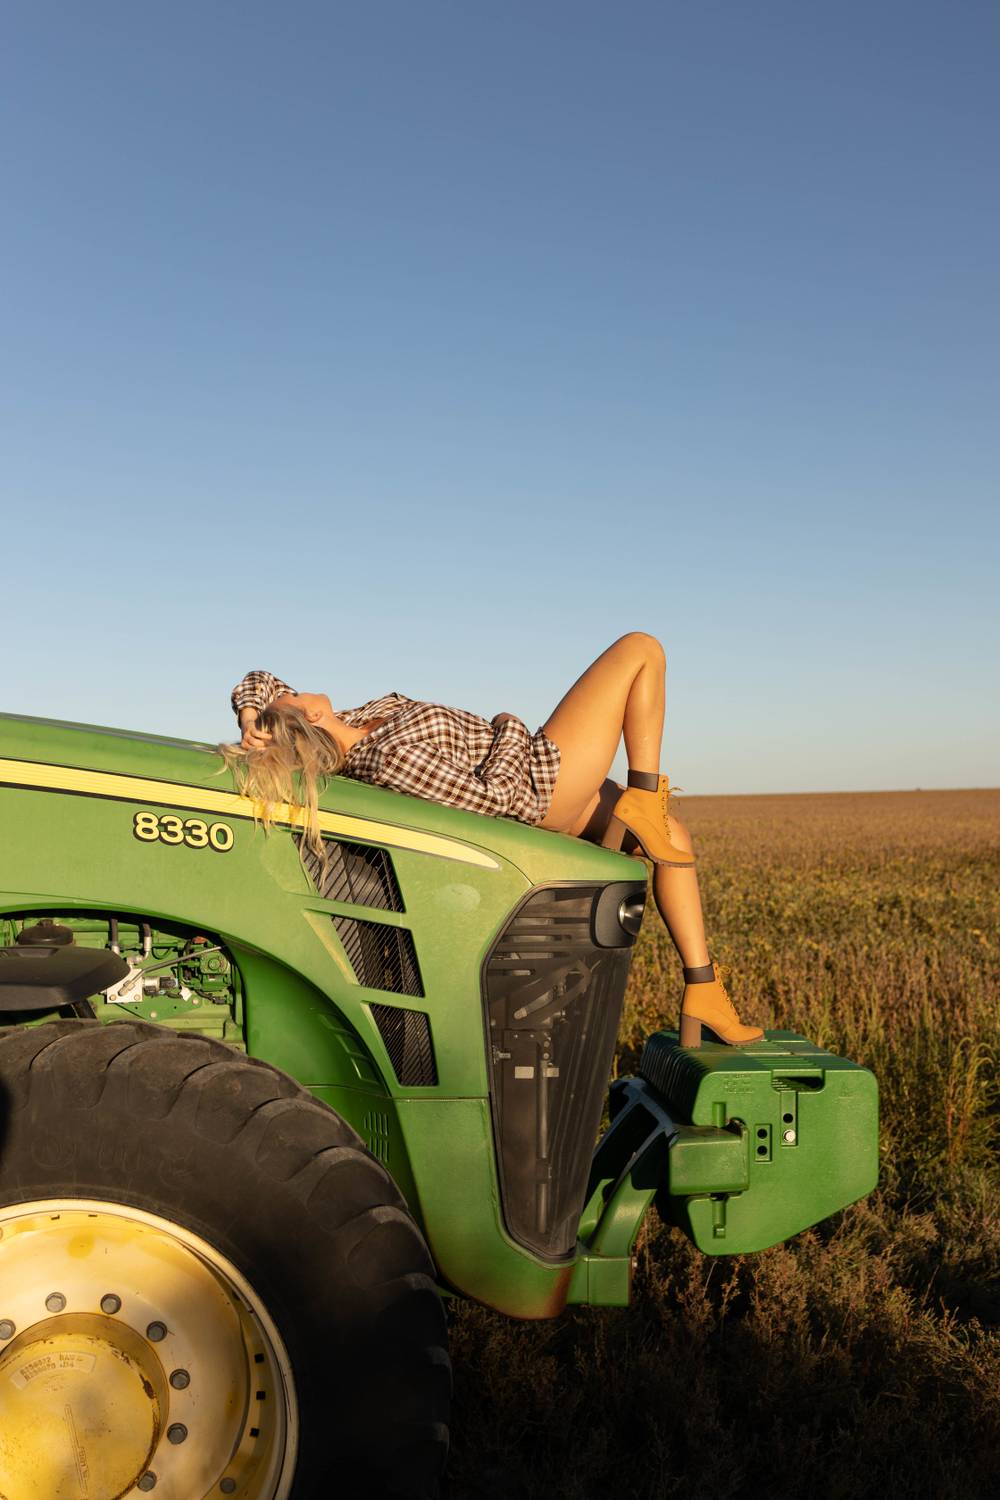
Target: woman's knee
[645, 646]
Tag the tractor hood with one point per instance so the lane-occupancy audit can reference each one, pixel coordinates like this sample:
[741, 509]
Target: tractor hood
[91, 760]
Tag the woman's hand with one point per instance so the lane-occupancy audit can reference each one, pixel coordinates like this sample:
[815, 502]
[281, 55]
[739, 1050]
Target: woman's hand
[253, 738]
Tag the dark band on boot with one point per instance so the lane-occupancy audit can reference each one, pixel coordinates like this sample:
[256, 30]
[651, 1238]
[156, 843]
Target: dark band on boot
[644, 781]
[700, 975]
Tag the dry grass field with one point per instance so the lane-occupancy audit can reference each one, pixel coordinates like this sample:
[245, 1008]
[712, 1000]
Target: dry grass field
[860, 1359]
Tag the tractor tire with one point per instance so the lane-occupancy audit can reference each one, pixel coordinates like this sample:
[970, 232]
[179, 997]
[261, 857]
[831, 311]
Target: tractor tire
[208, 1285]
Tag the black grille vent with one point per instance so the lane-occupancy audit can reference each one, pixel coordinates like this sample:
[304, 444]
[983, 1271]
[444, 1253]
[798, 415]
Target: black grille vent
[553, 1000]
[383, 958]
[354, 873]
[407, 1038]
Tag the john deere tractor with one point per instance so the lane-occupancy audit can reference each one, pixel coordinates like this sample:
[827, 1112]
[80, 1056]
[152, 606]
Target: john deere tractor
[262, 1114]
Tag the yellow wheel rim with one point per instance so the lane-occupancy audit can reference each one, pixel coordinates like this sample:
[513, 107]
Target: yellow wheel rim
[134, 1358]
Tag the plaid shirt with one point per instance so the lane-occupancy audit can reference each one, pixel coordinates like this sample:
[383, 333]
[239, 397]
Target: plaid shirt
[442, 754]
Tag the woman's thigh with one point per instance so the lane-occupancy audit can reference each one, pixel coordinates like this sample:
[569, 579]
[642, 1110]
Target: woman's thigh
[592, 824]
[587, 726]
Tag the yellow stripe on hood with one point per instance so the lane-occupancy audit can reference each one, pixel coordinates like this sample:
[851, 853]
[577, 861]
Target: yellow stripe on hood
[41, 777]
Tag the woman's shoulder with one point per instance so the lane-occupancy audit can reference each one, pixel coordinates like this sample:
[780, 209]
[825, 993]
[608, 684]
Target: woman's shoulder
[375, 708]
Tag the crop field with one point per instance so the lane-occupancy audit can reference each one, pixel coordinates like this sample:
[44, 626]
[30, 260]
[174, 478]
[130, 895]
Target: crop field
[862, 1357]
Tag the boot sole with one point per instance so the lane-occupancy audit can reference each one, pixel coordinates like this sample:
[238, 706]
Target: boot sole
[692, 1034]
[615, 835]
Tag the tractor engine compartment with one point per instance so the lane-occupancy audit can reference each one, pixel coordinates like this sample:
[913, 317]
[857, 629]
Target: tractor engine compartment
[179, 977]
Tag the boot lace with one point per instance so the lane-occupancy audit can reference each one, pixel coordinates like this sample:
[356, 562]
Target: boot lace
[729, 1006]
[667, 792]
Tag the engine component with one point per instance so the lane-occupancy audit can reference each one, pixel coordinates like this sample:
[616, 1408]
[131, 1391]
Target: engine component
[126, 968]
[46, 931]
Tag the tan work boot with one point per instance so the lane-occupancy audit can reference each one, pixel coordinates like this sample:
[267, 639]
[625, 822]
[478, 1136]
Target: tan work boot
[642, 809]
[706, 1005]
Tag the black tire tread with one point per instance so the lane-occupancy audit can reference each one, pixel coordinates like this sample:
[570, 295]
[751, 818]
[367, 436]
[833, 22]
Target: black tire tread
[198, 1090]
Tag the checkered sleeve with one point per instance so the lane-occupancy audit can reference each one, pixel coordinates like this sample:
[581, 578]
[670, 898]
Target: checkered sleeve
[257, 689]
[423, 770]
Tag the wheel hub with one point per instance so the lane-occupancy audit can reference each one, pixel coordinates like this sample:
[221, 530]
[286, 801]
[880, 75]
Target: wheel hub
[82, 1408]
[134, 1358]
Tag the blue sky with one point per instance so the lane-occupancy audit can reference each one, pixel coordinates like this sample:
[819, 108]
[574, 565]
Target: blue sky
[431, 346]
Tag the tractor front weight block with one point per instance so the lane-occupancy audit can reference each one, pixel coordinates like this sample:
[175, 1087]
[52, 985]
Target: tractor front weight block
[740, 1147]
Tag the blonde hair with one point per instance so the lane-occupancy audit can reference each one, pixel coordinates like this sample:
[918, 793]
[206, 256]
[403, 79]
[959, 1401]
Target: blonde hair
[289, 772]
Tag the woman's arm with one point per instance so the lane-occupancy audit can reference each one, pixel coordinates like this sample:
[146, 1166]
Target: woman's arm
[251, 738]
[252, 694]
[256, 690]
[422, 770]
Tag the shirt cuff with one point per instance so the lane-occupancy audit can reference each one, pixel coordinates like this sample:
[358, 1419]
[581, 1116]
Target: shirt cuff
[257, 690]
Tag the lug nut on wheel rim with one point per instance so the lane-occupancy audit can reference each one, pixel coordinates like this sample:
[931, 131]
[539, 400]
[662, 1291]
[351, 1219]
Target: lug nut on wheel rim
[122, 1397]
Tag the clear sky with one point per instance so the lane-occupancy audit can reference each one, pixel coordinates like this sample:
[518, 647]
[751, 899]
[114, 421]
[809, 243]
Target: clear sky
[432, 345]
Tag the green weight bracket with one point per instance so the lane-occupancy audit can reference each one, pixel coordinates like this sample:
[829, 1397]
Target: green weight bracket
[646, 1152]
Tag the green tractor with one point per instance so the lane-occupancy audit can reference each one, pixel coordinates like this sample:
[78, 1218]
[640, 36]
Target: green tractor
[261, 1114]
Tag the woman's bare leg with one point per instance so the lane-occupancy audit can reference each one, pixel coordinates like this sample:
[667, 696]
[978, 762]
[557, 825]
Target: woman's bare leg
[675, 889]
[678, 900]
[622, 692]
